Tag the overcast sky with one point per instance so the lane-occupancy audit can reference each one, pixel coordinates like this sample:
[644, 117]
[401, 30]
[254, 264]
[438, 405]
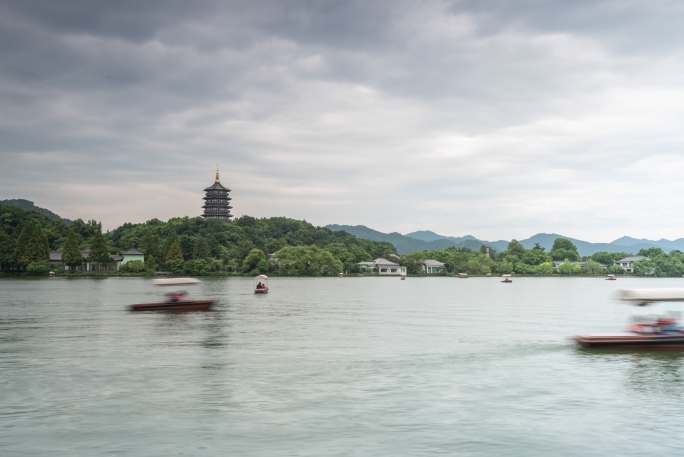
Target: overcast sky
[495, 118]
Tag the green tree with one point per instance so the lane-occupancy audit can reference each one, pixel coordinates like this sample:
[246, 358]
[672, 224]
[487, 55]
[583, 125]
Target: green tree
[255, 262]
[99, 251]
[644, 267]
[592, 267]
[651, 252]
[200, 249]
[545, 268]
[569, 268]
[32, 245]
[608, 258]
[564, 249]
[515, 249]
[173, 252]
[71, 251]
[7, 251]
[151, 246]
[38, 268]
[134, 266]
[150, 265]
[306, 261]
[535, 256]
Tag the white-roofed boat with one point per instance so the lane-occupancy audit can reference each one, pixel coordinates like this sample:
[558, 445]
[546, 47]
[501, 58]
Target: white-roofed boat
[654, 332]
[261, 284]
[177, 300]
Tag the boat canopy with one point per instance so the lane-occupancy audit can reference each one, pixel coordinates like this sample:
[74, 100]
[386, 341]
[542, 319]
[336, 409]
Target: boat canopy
[176, 281]
[262, 277]
[651, 295]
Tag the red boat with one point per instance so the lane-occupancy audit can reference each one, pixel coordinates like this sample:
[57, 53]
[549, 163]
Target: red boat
[646, 332]
[187, 305]
[673, 340]
[177, 301]
[261, 285]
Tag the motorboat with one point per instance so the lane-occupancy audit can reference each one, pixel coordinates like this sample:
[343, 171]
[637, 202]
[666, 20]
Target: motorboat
[177, 300]
[261, 284]
[506, 278]
[611, 278]
[462, 275]
[644, 332]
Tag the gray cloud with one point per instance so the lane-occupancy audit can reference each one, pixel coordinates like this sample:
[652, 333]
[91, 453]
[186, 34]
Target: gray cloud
[494, 118]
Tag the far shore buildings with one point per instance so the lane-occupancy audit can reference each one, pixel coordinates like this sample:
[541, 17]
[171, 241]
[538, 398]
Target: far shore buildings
[217, 201]
[627, 264]
[382, 267]
[88, 266]
[432, 267]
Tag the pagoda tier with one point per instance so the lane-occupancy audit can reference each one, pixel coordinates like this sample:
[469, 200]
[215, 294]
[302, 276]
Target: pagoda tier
[217, 201]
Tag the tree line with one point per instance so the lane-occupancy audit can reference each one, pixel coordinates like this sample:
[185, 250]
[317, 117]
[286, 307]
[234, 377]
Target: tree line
[563, 259]
[278, 246]
[184, 245]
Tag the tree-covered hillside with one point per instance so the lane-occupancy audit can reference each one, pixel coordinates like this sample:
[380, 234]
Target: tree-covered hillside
[188, 245]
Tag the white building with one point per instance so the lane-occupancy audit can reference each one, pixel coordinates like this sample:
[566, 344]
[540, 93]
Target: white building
[432, 267]
[627, 264]
[382, 267]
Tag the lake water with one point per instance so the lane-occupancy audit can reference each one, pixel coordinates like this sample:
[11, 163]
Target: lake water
[332, 367]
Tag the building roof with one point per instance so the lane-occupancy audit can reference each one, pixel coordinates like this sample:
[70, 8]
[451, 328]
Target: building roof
[131, 251]
[217, 186]
[432, 263]
[634, 258]
[116, 258]
[381, 261]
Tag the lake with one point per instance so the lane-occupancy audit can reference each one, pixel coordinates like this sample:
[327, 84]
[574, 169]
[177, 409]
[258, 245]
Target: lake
[332, 367]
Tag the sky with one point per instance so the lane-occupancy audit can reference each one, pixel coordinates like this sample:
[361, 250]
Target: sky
[493, 118]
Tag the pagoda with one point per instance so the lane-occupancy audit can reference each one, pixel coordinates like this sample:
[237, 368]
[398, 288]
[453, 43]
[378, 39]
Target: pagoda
[217, 201]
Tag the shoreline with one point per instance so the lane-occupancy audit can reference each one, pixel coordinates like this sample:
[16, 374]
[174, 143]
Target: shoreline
[273, 275]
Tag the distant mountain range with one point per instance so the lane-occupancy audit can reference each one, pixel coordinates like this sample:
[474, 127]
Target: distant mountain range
[28, 205]
[425, 240]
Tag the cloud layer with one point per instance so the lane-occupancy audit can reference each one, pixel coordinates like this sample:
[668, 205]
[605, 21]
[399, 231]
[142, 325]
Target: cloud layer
[495, 118]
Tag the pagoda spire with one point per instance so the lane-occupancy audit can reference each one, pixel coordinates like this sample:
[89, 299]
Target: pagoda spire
[217, 174]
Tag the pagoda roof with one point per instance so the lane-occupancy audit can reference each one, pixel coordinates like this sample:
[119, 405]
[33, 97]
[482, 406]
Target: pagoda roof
[217, 186]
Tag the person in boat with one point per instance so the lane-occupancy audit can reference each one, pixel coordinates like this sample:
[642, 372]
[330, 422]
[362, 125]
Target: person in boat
[260, 285]
[175, 297]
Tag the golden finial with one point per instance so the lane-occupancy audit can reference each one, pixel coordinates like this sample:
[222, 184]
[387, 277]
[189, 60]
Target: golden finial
[217, 174]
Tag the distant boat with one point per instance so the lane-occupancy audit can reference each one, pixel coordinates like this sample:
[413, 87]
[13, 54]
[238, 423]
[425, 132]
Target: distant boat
[506, 278]
[403, 276]
[178, 300]
[462, 275]
[611, 278]
[261, 284]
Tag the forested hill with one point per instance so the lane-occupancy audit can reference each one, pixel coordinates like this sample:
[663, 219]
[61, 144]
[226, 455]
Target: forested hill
[190, 245]
[28, 205]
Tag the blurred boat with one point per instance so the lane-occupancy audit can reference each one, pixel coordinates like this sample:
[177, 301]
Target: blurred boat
[261, 285]
[177, 300]
[611, 278]
[462, 275]
[506, 278]
[656, 332]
